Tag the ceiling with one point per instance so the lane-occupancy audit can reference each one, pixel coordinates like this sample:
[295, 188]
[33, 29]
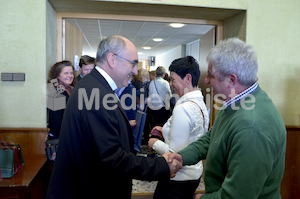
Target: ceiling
[140, 33]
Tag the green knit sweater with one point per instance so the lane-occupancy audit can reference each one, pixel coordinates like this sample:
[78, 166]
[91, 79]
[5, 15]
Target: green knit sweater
[244, 151]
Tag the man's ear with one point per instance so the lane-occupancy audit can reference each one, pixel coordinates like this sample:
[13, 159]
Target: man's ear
[232, 80]
[111, 60]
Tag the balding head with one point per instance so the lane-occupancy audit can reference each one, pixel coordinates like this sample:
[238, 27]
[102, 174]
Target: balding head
[117, 56]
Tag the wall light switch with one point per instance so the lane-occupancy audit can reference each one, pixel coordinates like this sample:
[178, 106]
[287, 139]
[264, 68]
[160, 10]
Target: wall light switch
[6, 77]
[18, 76]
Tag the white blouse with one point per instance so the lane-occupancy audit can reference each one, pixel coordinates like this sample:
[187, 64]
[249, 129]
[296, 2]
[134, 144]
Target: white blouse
[186, 125]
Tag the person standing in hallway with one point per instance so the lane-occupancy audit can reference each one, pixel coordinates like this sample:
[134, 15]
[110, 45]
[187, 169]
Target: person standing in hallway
[143, 100]
[245, 147]
[159, 98]
[86, 65]
[95, 157]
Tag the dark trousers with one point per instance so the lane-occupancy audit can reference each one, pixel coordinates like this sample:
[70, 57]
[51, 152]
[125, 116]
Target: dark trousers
[160, 116]
[147, 127]
[154, 118]
[170, 189]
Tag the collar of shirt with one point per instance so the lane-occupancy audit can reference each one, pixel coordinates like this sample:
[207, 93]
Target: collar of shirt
[109, 80]
[241, 95]
[119, 91]
[190, 96]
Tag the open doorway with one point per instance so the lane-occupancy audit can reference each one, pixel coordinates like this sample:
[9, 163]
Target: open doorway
[93, 28]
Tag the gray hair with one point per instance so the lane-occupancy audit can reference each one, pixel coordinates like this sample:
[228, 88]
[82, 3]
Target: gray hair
[111, 44]
[233, 56]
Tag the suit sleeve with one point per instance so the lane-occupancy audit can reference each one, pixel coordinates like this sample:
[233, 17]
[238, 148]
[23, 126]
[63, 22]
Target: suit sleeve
[113, 139]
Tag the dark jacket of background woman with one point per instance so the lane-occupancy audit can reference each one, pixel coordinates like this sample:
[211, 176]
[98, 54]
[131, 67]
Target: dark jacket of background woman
[55, 118]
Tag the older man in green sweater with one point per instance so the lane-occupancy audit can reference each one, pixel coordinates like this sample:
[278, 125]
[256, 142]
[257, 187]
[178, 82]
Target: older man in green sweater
[245, 147]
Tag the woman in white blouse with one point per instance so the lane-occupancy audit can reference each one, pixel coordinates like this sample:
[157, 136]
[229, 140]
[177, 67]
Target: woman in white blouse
[188, 122]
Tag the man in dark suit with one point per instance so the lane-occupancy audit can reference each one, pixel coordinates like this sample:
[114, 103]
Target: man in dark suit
[95, 157]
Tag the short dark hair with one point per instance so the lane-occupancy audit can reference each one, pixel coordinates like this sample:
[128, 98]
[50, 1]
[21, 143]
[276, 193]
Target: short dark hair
[86, 60]
[184, 66]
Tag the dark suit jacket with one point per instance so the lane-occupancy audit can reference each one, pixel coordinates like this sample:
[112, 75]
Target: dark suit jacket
[78, 78]
[95, 157]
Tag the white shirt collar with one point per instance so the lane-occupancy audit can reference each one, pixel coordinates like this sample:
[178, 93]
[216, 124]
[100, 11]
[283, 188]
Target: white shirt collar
[192, 95]
[109, 80]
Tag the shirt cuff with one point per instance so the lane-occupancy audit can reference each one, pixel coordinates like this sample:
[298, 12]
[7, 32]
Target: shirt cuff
[160, 147]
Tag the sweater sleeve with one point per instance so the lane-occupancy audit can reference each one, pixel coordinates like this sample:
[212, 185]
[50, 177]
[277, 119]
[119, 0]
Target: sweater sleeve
[197, 150]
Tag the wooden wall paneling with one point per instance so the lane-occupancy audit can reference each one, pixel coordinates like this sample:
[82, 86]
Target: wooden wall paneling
[32, 140]
[73, 42]
[290, 186]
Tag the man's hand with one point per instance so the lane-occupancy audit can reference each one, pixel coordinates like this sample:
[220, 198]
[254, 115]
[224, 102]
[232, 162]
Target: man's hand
[174, 165]
[171, 156]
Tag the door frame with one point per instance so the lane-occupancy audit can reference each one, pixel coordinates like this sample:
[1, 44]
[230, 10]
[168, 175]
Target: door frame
[62, 15]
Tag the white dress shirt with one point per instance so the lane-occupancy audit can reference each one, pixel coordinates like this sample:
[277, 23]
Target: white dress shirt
[109, 80]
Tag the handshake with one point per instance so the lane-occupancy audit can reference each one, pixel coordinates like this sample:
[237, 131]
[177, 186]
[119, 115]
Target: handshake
[174, 161]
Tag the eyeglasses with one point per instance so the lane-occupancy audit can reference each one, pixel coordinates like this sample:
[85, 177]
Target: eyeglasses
[134, 62]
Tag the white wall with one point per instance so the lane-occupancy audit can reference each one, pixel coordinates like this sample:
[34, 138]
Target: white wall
[23, 50]
[273, 30]
[50, 36]
[165, 59]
